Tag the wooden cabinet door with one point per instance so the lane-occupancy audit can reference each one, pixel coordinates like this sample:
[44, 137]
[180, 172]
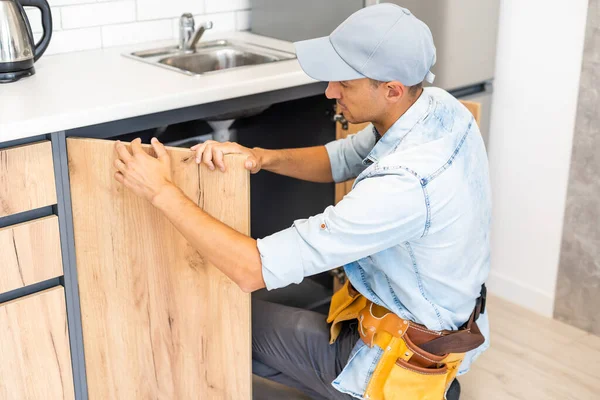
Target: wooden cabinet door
[159, 322]
[35, 359]
[30, 253]
[26, 178]
[341, 189]
[474, 108]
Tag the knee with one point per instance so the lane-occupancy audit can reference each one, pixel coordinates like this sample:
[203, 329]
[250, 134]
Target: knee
[310, 325]
[263, 370]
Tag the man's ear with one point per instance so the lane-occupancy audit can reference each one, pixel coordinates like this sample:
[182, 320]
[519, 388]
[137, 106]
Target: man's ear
[395, 91]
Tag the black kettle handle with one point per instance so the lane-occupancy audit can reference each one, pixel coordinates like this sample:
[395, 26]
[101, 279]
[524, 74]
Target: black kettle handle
[44, 7]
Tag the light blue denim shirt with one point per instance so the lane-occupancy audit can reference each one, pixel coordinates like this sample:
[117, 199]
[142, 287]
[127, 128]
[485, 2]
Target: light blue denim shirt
[413, 234]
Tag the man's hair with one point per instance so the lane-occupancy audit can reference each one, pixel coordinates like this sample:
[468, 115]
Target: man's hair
[412, 90]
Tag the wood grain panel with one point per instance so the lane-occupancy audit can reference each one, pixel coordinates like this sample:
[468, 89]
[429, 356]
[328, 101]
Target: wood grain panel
[30, 253]
[35, 359]
[158, 321]
[474, 108]
[522, 362]
[26, 178]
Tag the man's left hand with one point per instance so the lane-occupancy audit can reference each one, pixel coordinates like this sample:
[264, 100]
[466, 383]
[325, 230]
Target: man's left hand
[145, 175]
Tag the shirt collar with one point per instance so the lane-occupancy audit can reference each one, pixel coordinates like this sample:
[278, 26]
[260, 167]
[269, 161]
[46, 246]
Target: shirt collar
[390, 140]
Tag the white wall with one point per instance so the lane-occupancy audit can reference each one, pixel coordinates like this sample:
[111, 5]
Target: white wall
[540, 47]
[93, 24]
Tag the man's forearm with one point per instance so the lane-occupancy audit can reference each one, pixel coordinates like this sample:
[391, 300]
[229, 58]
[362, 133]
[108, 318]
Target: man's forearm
[235, 254]
[308, 163]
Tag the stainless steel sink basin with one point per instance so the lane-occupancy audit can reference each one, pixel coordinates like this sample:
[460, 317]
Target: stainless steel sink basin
[200, 63]
[211, 57]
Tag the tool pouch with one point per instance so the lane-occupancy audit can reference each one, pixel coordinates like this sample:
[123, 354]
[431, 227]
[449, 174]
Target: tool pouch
[404, 372]
[407, 369]
[416, 363]
[345, 306]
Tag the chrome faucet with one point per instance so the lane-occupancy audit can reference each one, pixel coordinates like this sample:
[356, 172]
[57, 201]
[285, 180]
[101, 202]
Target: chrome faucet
[188, 35]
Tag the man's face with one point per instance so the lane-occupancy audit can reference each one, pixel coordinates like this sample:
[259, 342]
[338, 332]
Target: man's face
[359, 100]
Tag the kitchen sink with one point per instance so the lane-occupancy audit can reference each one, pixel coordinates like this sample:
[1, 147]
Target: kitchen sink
[201, 63]
[211, 57]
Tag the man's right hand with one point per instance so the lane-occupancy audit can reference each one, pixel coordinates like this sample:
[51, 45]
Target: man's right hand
[211, 153]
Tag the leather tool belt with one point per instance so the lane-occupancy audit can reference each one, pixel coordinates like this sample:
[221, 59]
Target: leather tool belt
[417, 363]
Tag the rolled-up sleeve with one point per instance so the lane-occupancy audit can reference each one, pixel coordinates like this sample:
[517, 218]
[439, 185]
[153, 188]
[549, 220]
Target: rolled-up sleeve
[346, 155]
[377, 214]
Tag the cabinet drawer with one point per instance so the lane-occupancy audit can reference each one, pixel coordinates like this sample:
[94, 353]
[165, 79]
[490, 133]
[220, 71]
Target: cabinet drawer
[30, 253]
[27, 178]
[34, 344]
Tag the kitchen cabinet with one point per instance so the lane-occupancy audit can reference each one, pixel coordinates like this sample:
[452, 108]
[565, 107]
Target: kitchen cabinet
[148, 317]
[35, 358]
[30, 253]
[158, 320]
[27, 178]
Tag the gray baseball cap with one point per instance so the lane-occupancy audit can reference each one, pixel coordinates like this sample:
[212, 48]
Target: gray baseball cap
[384, 42]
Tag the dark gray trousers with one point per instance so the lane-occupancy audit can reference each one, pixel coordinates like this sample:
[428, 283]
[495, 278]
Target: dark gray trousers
[291, 346]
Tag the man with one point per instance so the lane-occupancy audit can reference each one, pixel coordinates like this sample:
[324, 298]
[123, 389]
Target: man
[413, 234]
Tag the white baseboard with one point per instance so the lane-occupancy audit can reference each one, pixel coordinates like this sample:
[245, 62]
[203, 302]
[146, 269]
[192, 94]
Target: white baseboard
[521, 294]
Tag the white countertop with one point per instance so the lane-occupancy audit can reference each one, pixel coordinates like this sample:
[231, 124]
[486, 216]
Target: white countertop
[86, 88]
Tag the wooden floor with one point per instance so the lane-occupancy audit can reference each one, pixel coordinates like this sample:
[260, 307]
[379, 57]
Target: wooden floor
[533, 357]
[530, 358]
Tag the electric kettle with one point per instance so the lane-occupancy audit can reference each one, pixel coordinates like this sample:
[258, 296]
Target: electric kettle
[18, 52]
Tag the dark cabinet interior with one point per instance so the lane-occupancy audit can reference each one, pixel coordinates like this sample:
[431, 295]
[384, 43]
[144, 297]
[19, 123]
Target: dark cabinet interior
[276, 201]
